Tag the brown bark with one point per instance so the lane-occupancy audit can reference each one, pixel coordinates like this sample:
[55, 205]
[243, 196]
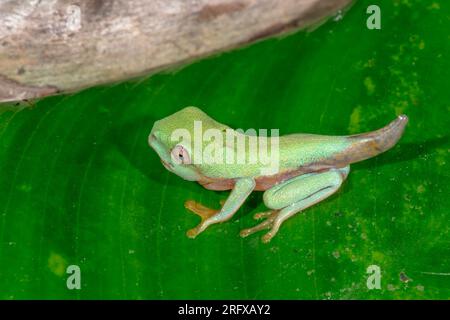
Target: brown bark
[52, 46]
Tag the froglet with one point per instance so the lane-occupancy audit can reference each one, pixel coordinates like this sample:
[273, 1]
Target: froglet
[310, 167]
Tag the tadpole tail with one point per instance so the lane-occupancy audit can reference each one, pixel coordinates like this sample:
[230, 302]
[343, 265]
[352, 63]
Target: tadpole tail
[367, 145]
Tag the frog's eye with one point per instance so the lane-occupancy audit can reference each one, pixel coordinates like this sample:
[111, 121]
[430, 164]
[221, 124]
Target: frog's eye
[180, 155]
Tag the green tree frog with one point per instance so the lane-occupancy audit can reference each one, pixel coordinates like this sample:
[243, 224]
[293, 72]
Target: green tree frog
[310, 167]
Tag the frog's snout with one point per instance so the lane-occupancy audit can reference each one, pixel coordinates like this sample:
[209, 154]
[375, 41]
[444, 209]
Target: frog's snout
[167, 165]
[151, 139]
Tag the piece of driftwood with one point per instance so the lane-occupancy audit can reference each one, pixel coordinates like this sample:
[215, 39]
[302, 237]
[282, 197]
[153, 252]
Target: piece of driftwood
[53, 46]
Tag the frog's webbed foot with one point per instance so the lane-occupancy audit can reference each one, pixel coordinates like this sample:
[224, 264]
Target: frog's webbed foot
[270, 217]
[203, 212]
[199, 209]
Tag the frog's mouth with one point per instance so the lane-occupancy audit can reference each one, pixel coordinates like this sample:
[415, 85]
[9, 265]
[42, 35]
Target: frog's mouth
[158, 147]
[167, 165]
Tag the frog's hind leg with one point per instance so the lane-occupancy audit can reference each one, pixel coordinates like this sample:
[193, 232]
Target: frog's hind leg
[297, 194]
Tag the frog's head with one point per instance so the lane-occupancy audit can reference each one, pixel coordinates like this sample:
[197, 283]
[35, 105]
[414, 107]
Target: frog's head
[172, 139]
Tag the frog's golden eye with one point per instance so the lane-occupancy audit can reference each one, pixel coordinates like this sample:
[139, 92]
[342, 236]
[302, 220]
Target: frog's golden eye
[180, 155]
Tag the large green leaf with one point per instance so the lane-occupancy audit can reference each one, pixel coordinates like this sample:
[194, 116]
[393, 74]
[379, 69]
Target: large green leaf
[80, 186]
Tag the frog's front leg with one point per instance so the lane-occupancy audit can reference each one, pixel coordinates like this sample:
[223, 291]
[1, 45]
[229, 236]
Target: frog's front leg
[294, 195]
[242, 189]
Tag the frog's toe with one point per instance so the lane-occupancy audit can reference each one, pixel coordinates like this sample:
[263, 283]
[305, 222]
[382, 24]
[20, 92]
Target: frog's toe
[199, 209]
[245, 233]
[192, 233]
[268, 236]
[261, 215]
[207, 215]
[270, 217]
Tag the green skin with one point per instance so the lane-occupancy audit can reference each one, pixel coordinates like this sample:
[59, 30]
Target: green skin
[310, 168]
